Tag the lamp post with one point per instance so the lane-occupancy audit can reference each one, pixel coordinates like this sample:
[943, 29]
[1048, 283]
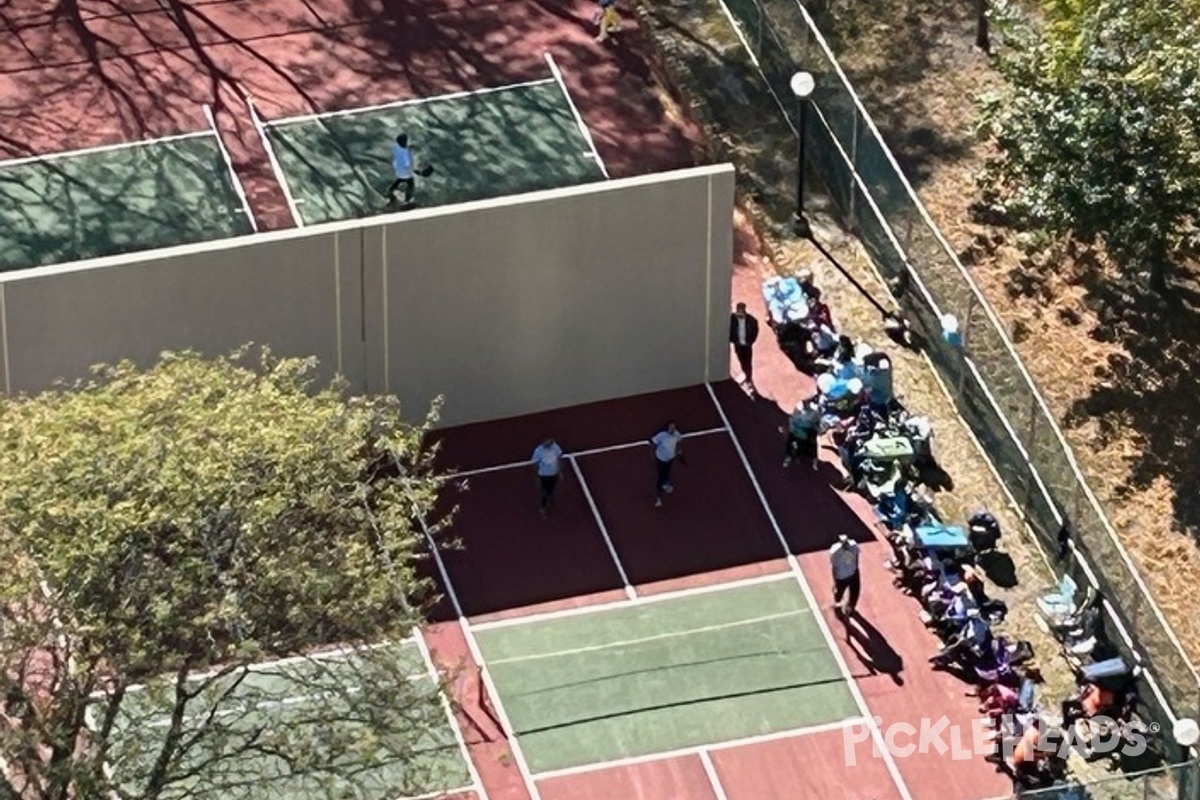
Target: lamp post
[802, 85]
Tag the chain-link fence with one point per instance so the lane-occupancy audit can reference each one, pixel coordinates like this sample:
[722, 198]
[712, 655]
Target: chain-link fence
[992, 389]
[1158, 784]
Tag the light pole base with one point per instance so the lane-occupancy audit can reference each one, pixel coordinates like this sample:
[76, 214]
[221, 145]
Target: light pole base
[800, 225]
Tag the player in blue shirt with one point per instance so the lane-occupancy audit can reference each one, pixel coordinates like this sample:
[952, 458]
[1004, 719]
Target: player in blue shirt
[667, 447]
[402, 167]
[547, 458]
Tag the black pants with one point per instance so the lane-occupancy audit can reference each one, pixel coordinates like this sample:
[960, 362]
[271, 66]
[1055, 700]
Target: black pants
[663, 472]
[795, 447]
[840, 585]
[745, 357]
[409, 184]
[547, 483]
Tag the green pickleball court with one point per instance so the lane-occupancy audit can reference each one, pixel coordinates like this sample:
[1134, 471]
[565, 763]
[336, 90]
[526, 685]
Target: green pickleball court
[652, 677]
[110, 201]
[486, 144]
[305, 707]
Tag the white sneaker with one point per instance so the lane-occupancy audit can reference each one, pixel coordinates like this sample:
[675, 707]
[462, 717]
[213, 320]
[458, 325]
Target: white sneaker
[787, 462]
[668, 488]
[658, 502]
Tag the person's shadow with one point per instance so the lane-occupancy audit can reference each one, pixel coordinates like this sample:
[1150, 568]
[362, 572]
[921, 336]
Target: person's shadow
[872, 649]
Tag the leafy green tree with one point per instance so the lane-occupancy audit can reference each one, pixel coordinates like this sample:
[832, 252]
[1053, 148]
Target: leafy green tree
[164, 530]
[1098, 130]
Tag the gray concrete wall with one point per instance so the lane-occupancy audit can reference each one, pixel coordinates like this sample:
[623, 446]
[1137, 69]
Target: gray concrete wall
[504, 307]
[560, 300]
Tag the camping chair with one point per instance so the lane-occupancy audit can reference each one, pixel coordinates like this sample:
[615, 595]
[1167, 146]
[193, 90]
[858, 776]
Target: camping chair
[1059, 602]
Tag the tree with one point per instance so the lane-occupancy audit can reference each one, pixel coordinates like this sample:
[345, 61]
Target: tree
[1097, 129]
[167, 530]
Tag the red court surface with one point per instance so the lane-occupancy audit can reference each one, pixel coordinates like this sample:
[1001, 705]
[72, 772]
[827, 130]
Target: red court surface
[681, 778]
[514, 558]
[96, 72]
[583, 427]
[817, 766]
[712, 521]
[483, 733]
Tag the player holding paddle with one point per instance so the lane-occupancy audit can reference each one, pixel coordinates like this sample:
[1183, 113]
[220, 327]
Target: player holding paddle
[668, 445]
[405, 172]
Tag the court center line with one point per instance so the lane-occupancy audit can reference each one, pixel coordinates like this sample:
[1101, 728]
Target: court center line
[583, 127]
[713, 779]
[642, 599]
[683, 752]
[431, 669]
[237, 182]
[794, 563]
[103, 148]
[578, 454]
[276, 167]
[630, 592]
[473, 647]
[658, 637]
[412, 101]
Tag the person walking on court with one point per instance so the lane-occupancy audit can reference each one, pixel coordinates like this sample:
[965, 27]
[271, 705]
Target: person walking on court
[547, 458]
[743, 332]
[608, 19]
[402, 167]
[667, 447]
[843, 557]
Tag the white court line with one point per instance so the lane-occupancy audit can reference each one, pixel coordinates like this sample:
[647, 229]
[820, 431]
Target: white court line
[476, 780]
[577, 454]
[509, 731]
[414, 101]
[658, 637]
[262, 666]
[643, 599]
[683, 752]
[630, 592]
[583, 128]
[237, 182]
[714, 780]
[275, 165]
[104, 148]
[876, 734]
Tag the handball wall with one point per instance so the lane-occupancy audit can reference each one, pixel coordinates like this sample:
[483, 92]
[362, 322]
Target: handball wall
[504, 307]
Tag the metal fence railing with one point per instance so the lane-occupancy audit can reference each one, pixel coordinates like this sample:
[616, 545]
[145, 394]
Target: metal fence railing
[1158, 784]
[991, 387]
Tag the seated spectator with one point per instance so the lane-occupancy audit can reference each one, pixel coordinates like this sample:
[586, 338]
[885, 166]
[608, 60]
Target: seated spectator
[1090, 701]
[818, 313]
[805, 278]
[996, 700]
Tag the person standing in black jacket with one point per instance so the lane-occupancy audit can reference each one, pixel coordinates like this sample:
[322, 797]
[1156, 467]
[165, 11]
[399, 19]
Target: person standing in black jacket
[743, 332]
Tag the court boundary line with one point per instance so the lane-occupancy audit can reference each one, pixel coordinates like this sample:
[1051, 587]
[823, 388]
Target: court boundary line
[225, 155]
[794, 563]
[507, 729]
[102, 148]
[642, 599]
[470, 473]
[583, 126]
[276, 167]
[630, 592]
[695, 750]
[263, 666]
[710, 771]
[431, 670]
[412, 101]
[656, 637]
